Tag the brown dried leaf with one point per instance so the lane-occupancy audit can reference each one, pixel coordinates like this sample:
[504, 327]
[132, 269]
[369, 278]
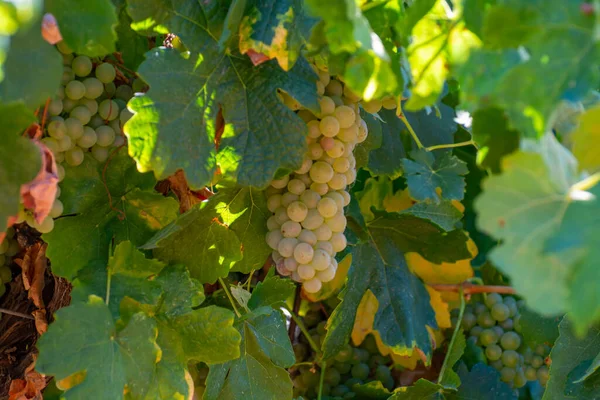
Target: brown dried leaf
[29, 388]
[34, 266]
[50, 30]
[41, 322]
[39, 194]
[257, 58]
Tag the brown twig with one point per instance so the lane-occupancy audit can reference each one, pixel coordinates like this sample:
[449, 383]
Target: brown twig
[16, 314]
[45, 114]
[297, 302]
[469, 288]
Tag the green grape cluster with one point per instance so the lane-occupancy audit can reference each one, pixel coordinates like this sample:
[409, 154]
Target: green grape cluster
[307, 227]
[8, 249]
[350, 367]
[86, 116]
[494, 326]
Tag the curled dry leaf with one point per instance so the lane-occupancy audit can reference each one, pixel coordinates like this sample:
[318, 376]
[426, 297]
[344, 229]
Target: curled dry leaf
[39, 194]
[34, 265]
[50, 30]
[28, 388]
[257, 58]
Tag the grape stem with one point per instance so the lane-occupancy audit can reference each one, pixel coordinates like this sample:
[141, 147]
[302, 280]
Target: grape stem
[322, 379]
[402, 117]
[450, 145]
[457, 332]
[304, 331]
[15, 313]
[297, 301]
[231, 300]
[469, 288]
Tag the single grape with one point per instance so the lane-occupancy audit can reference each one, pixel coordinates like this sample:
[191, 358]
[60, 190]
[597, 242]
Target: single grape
[543, 374]
[530, 373]
[320, 188]
[75, 90]
[327, 105]
[323, 232]
[337, 223]
[60, 170]
[338, 198]
[303, 253]
[336, 150]
[67, 76]
[485, 320]
[327, 246]
[348, 135]
[63, 47]
[382, 373]
[46, 226]
[124, 93]
[274, 202]
[327, 208]
[108, 109]
[100, 153]
[106, 73]
[338, 181]
[493, 352]
[537, 361]
[500, 312]
[312, 285]
[82, 66]
[492, 298]
[52, 144]
[360, 371]
[321, 260]
[312, 219]
[291, 229]
[488, 337]
[332, 376]
[510, 358]
[345, 116]
[65, 143]
[389, 103]
[341, 165]
[280, 183]
[290, 264]
[74, 157]
[327, 275]
[105, 135]
[372, 107]
[57, 209]
[469, 320]
[507, 324]
[334, 88]
[57, 128]
[315, 151]
[476, 331]
[329, 126]
[296, 186]
[55, 107]
[310, 198]
[308, 236]
[297, 211]
[510, 340]
[507, 374]
[338, 242]
[93, 88]
[286, 246]
[321, 172]
[88, 138]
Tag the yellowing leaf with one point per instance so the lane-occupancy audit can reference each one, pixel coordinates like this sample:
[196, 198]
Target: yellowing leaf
[442, 314]
[585, 140]
[397, 202]
[330, 288]
[365, 316]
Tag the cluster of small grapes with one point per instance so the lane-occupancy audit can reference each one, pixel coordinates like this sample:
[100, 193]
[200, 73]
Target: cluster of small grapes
[352, 366]
[308, 222]
[8, 249]
[494, 325]
[86, 115]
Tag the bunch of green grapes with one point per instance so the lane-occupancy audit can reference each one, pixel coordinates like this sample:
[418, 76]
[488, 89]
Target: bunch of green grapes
[86, 116]
[494, 325]
[307, 227]
[8, 249]
[350, 367]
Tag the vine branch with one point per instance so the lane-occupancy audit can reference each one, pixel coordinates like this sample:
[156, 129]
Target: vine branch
[469, 288]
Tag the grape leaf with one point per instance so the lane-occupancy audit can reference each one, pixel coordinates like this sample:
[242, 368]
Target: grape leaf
[529, 84]
[259, 372]
[32, 69]
[494, 137]
[538, 329]
[373, 390]
[205, 79]
[479, 383]
[422, 389]
[451, 380]
[585, 138]
[424, 173]
[20, 159]
[383, 159]
[432, 126]
[569, 352]
[87, 27]
[227, 232]
[117, 358]
[131, 212]
[277, 29]
[131, 45]
[271, 292]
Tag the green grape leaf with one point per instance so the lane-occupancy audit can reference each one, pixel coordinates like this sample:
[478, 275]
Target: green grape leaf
[569, 353]
[401, 320]
[422, 389]
[529, 84]
[181, 293]
[116, 359]
[451, 380]
[231, 26]
[271, 292]
[479, 383]
[387, 19]
[131, 45]
[32, 70]
[424, 174]
[204, 81]
[494, 138]
[225, 233]
[373, 194]
[372, 390]
[259, 372]
[584, 140]
[20, 159]
[538, 329]
[129, 210]
[383, 160]
[86, 27]
[444, 214]
[277, 29]
[474, 14]
[433, 126]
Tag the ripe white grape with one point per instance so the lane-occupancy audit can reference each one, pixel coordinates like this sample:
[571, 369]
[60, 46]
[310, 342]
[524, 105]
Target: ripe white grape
[389, 103]
[75, 90]
[324, 77]
[106, 73]
[281, 215]
[74, 157]
[307, 236]
[315, 151]
[272, 223]
[323, 232]
[280, 266]
[74, 128]
[273, 238]
[51, 144]
[64, 48]
[305, 167]
[372, 106]
[59, 158]
[305, 178]
[348, 150]
[321, 172]
[296, 186]
[93, 88]
[320, 188]
[55, 107]
[334, 88]
[110, 89]
[327, 246]
[108, 109]
[363, 131]
[297, 211]
[350, 95]
[337, 150]
[313, 129]
[124, 92]
[337, 223]
[327, 207]
[291, 229]
[57, 209]
[88, 138]
[306, 271]
[286, 246]
[82, 113]
[345, 116]
[327, 274]
[65, 143]
[348, 135]
[291, 264]
[338, 241]
[321, 260]
[338, 181]
[313, 219]
[341, 165]
[310, 198]
[105, 135]
[350, 176]
[296, 277]
[60, 171]
[57, 128]
[69, 104]
[274, 202]
[312, 286]
[91, 105]
[320, 88]
[288, 198]
[327, 143]
[329, 126]
[327, 105]
[82, 65]
[280, 183]
[346, 197]
[100, 153]
[46, 226]
[337, 197]
[67, 76]
[303, 253]
[96, 121]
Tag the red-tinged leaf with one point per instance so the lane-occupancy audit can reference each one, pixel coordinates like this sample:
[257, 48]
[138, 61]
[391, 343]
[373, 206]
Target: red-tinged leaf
[257, 58]
[39, 194]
